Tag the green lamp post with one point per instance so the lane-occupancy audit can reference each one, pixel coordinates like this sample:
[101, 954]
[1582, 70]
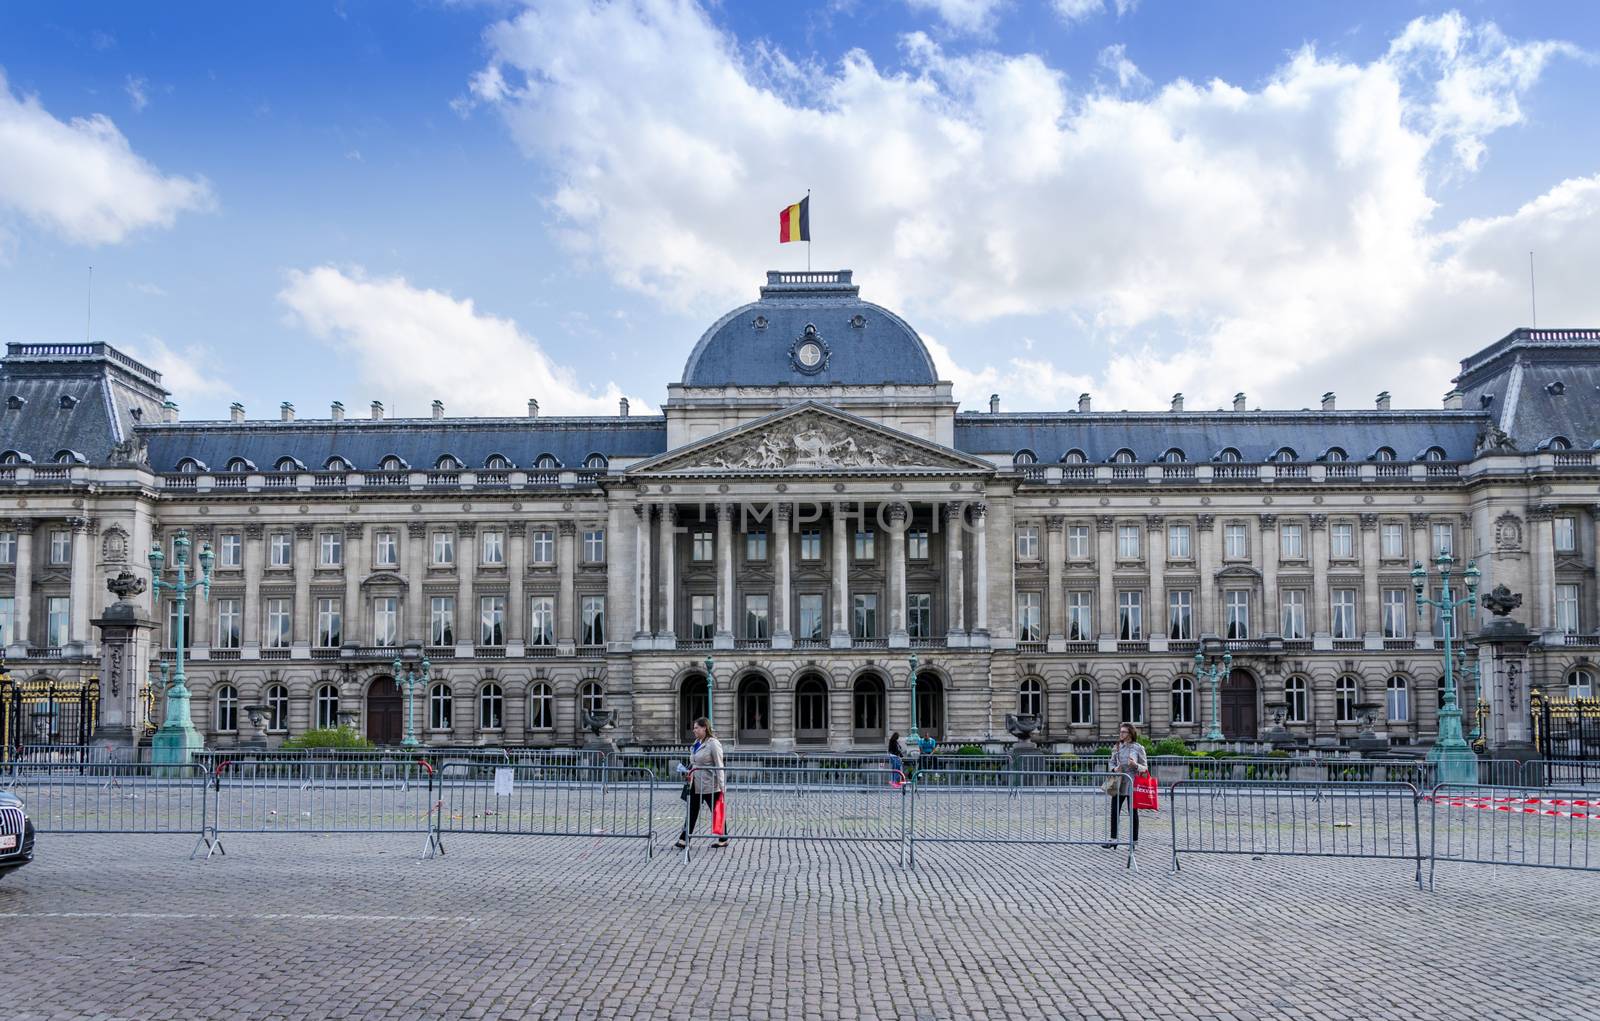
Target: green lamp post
[409, 680]
[1214, 675]
[1452, 757]
[711, 672]
[177, 740]
[925, 745]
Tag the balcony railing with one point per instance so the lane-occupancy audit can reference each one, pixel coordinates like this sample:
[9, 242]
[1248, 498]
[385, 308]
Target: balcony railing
[178, 481]
[752, 643]
[325, 654]
[224, 654]
[1348, 644]
[1030, 646]
[489, 651]
[283, 481]
[387, 480]
[440, 652]
[540, 651]
[916, 643]
[274, 653]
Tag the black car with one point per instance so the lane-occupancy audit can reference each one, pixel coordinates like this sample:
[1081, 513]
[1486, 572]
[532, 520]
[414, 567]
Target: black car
[16, 834]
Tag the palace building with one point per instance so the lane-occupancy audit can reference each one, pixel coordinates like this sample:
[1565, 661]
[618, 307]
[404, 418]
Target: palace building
[811, 513]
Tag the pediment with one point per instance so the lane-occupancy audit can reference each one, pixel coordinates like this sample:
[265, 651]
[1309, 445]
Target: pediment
[807, 439]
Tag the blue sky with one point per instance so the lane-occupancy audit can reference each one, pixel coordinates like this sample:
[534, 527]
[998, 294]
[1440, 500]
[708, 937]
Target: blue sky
[484, 202]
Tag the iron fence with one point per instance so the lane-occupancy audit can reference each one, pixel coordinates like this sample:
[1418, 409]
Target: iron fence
[1015, 807]
[865, 805]
[1540, 828]
[545, 800]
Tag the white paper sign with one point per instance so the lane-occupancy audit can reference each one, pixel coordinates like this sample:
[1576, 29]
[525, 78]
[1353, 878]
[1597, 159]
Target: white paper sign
[502, 780]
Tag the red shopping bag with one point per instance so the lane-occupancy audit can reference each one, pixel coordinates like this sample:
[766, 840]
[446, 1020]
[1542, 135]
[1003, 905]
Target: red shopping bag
[1144, 793]
[719, 818]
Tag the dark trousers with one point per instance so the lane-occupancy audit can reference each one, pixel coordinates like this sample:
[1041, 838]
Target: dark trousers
[695, 800]
[1117, 801]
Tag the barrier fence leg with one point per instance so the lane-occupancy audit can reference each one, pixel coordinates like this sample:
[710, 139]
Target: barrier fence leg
[650, 823]
[1172, 796]
[911, 827]
[209, 837]
[435, 846]
[1416, 827]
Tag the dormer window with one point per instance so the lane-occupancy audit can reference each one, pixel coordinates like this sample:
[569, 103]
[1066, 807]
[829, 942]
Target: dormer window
[1024, 457]
[16, 401]
[1555, 388]
[447, 463]
[337, 464]
[1335, 454]
[1556, 443]
[1173, 456]
[1283, 455]
[1228, 455]
[497, 463]
[1074, 456]
[1124, 456]
[392, 464]
[1383, 454]
[1433, 454]
[547, 463]
[10, 457]
[288, 464]
[596, 461]
[239, 465]
[189, 466]
[68, 401]
[69, 457]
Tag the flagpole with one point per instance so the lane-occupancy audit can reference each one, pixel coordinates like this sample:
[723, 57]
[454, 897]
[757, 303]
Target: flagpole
[808, 236]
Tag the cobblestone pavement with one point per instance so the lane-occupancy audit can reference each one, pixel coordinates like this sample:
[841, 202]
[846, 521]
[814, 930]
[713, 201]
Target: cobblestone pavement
[304, 926]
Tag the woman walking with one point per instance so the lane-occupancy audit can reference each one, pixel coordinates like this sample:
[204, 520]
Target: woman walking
[897, 760]
[1127, 759]
[707, 781]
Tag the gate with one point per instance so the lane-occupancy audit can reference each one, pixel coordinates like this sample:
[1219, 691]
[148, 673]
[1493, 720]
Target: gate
[43, 713]
[1566, 732]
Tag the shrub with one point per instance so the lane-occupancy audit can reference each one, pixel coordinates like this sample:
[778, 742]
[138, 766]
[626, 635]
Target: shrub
[1171, 746]
[1102, 752]
[329, 737]
[969, 749]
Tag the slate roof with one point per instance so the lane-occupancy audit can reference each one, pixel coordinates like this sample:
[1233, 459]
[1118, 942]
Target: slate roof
[751, 345]
[107, 394]
[1538, 384]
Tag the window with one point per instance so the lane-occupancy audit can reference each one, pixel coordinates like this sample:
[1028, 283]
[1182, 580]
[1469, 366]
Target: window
[1235, 541]
[1183, 701]
[755, 546]
[327, 702]
[917, 543]
[1228, 455]
[1178, 542]
[60, 546]
[386, 621]
[1567, 609]
[542, 620]
[1180, 615]
[865, 616]
[1444, 540]
[919, 615]
[1399, 700]
[541, 707]
[491, 620]
[1342, 614]
[1133, 701]
[1344, 700]
[281, 549]
[1238, 606]
[868, 705]
[491, 708]
[1294, 614]
[1433, 454]
[544, 546]
[330, 629]
[811, 617]
[1396, 602]
[1342, 541]
[229, 621]
[1028, 543]
[591, 697]
[1030, 698]
[594, 620]
[756, 622]
[1566, 534]
[439, 707]
[1298, 697]
[496, 463]
[1580, 684]
[330, 548]
[386, 549]
[442, 620]
[230, 548]
[279, 620]
[1080, 617]
[1130, 616]
[702, 547]
[277, 707]
[56, 616]
[864, 544]
[494, 548]
[8, 620]
[1028, 617]
[1127, 542]
[1078, 547]
[1383, 454]
[444, 548]
[1080, 701]
[227, 708]
[594, 546]
[8, 548]
[173, 638]
[1392, 536]
[1292, 541]
[702, 617]
[1124, 456]
[811, 544]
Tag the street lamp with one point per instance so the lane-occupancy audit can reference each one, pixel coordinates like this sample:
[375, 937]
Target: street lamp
[177, 740]
[408, 680]
[913, 661]
[1451, 755]
[711, 671]
[1214, 673]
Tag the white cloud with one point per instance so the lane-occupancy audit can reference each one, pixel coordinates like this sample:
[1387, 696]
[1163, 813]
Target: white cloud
[974, 16]
[1072, 11]
[414, 344]
[1115, 59]
[193, 372]
[81, 179]
[134, 86]
[1204, 237]
[153, 290]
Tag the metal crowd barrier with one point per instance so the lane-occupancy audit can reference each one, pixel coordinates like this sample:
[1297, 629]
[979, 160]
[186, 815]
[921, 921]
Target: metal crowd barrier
[105, 797]
[957, 806]
[1547, 828]
[839, 805]
[1332, 819]
[544, 800]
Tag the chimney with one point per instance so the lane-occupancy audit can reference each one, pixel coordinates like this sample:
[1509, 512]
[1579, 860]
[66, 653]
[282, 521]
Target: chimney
[994, 404]
[1452, 400]
[1177, 402]
[286, 411]
[1083, 403]
[236, 412]
[169, 411]
[1383, 401]
[377, 411]
[337, 411]
[1238, 401]
[622, 407]
[438, 410]
[1328, 401]
[533, 408]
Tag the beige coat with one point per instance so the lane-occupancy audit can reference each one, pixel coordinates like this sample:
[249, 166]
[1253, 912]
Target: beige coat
[705, 764]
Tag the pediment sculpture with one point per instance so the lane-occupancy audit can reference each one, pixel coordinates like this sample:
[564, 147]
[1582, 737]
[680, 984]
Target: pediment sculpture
[810, 443]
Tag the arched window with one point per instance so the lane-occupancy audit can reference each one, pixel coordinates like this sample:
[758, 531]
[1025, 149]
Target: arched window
[187, 466]
[277, 707]
[547, 463]
[12, 457]
[327, 707]
[239, 465]
[491, 708]
[447, 463]
[1228, 455]
[336, 464]
[1080, 699]
[597, 462]
[930, 705]
[811, 710]
[1030, 698]
[1173, 456]
[1580, 684]
[1298, 696]
[541, 707]
[1024, 457]
[1074, 456]
[1283, 455]
[591, 697]
[227, 708]
[1345, 698]
[1335, 454]
[1133, 701]
[1399, 700]
[1183, 701]
[69, 457]
[1433, 454]
[1383, 454]
[392, 464]
[1124, 456]
[288, 464]
[867, 706]
[439, 707]
[497, 463]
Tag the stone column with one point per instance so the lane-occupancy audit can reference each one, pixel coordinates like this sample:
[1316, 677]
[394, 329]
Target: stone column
[1594, 597]
[79, 587]
[782, 527]
[1106, 565]
[1055, 600]
[416, 614]
[516, 570]
[567, 610]
[250, 636]
[1371, 599]
[669, 580]
[305, 620]
[466, 568]
[198, 630]
[124, 666]
[1422, 553]
[641, 572]
[1207, 607]
[1543, 549]
[1272, 613]
[357, 619]
[840, 638]
[954, 574]
[23, 636]
[1319, 623]
[724, 633]
[896, 515]
[980, 551]
[1155, 551]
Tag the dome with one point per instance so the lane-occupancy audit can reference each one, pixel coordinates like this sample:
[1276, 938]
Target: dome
[809, 329]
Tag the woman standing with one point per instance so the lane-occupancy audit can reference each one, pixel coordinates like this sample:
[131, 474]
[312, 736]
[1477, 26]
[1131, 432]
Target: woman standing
[897, 760]
[1127, 759]
[707, 781]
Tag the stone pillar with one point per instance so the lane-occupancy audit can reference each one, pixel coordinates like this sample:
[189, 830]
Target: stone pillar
[980, 551]
[641, 573]
[1106, 564]
[305, 620]
[79, 587]
[250, 634]
[566, 608]
[23, 636]
[1371, 598]
[1272, 613]
[669, 581]
[896, 515]
[198, 630]
[357, 620]
[1593, 616]
[124, 666]
[955, 576]
[1422, 553]
[417, 626]
[1207, 607]
[1055, 600]
[782, 527]
[723, 638]
[840, 638]
[1543, 549]
[1319, 623]
[516, 571]
[1155, 550]
[466, 567]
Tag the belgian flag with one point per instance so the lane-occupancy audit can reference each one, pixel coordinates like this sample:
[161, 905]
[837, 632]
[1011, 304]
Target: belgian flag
[794, 223]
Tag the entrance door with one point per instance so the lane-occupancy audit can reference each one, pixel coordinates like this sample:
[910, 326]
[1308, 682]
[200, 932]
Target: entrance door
[385, 710]
[930, 706]
[755, 711]
[811, 711]
[1239, 707]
